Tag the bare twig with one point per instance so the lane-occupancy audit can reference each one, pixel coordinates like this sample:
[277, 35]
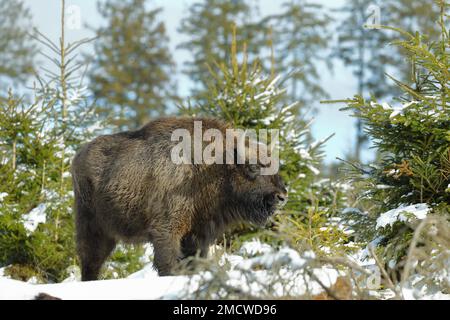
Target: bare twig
[324, 287]
[345, 262]
[384, 273]
[354, 165]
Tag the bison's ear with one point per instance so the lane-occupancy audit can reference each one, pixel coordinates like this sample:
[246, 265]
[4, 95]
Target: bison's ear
[251, 171]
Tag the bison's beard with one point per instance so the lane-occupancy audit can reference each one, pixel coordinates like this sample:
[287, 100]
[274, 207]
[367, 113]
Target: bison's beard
[257, 208]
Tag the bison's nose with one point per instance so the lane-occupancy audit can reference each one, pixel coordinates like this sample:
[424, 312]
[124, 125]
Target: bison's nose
[282, 198]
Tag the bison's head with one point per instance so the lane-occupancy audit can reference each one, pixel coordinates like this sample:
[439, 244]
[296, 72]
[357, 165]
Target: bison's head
[255, 193]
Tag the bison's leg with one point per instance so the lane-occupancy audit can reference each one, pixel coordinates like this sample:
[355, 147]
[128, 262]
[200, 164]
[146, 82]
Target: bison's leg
[191, 246]
[93, 245]
[93, 254]
[167, 254]
[93, 258]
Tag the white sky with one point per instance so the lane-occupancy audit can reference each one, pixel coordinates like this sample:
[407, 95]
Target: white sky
[340, 84]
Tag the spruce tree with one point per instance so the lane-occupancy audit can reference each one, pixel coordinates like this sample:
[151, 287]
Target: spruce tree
[38, 140]
[132, 65]
[17, 50]
[412, 177]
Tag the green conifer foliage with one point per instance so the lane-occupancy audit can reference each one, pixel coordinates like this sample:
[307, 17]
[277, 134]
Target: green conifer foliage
[413, 137]
[37, 142]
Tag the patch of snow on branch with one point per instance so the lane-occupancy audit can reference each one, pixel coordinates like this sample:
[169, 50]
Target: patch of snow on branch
[403, 213]
[35, 217]
[313, 169]
[3, 195]
[397, 110]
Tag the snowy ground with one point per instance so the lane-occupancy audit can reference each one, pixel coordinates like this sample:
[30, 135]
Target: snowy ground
[123, 289]
[257, 270]
[146, 284]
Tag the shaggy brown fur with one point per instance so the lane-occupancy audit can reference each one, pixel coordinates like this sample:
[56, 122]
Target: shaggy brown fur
[128, 189]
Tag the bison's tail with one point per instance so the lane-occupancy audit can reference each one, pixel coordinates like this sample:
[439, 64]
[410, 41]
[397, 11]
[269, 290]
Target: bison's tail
[84, 206]
[82, 185]
[82, 189]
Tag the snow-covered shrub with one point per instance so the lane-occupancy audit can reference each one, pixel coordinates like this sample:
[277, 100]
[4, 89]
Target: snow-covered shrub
[412, 177]
[260, 271]
[246, 97]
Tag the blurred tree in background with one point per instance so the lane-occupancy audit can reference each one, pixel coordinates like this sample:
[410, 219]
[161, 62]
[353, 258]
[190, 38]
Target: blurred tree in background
[132, 65]
[300, 40]
[209, 26]
[17, 51]
[365, 50]
[263, 76]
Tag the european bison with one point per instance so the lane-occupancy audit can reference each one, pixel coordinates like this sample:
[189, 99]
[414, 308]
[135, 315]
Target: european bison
[128, 189]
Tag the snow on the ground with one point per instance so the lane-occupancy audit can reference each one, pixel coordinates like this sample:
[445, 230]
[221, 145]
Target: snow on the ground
[260, 271]
[282, 284]
[146, 284]
[2, 273]
[121, 289]
[409, 294]
[403, 213]
[145, 273]
[257, 270]
[74, 274]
